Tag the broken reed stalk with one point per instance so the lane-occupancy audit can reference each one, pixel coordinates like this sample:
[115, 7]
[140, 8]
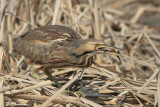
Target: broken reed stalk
[10, 37]
[42, 84]
[57, 8]
[2, 21]
[43, 98]
[158, 89]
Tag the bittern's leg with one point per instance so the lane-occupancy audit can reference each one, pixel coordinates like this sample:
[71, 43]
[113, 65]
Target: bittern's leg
[52, 78]
[81, 91]
[78, 70]
[82, 74]
[75, 86]
[78, 84]
[34, 71]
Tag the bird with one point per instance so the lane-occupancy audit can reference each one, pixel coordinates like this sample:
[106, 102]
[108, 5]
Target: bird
[58, 46]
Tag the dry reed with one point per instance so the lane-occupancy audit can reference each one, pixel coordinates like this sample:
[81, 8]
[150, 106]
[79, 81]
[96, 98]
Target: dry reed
[135, 82]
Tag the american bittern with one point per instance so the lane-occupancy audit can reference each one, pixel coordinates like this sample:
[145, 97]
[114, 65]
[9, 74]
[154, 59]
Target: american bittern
[57, 46]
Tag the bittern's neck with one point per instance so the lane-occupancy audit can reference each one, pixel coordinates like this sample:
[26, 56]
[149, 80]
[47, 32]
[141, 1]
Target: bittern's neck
[82, 47]
[77, 48]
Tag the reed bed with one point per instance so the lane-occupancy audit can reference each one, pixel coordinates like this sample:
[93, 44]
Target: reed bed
[131, 25]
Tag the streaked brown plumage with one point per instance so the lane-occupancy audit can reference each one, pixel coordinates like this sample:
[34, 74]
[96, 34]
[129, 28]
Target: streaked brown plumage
[57, 46]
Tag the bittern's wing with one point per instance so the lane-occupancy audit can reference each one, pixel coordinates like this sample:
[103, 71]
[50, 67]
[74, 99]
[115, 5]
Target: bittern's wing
[39, 43]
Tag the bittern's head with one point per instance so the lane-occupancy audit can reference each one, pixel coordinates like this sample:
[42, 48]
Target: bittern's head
[91, 47]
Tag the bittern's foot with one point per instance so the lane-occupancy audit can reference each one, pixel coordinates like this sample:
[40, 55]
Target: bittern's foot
[34, 69]
[76, 88]
[79, 94]
[35, 75]
[76, 93]
[52, 78]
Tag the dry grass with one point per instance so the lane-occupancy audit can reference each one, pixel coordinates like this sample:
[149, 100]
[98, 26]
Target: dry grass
[135, 82]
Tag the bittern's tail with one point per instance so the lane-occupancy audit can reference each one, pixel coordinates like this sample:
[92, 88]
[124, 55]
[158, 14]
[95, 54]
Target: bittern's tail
[7, 50]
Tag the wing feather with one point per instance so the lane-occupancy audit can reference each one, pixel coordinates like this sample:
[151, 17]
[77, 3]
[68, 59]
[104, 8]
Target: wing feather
[38, 43]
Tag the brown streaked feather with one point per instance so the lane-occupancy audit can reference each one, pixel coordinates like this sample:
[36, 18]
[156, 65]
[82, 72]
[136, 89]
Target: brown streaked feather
[40, 43]
[51, 32]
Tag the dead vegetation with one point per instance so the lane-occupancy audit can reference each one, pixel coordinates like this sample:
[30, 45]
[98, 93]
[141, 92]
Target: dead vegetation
[131, 25]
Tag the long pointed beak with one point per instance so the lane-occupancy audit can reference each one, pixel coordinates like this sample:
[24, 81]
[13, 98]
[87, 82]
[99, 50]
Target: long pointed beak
[111, 50]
